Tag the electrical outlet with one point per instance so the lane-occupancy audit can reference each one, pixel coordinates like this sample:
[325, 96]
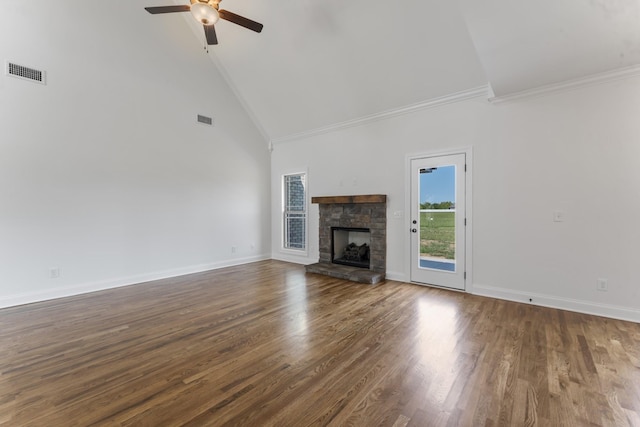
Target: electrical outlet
[398, 214]
[233, 249]
[558, 216]
[54, 273]
[602, 285]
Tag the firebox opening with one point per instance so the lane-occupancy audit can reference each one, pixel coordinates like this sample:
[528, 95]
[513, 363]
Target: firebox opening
[351, 246]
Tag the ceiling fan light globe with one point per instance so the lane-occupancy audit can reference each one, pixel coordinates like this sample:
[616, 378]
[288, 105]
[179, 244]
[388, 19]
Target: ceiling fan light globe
[204, 13]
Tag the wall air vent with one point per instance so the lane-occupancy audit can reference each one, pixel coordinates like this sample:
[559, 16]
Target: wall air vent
[25, 73]
[205, 120]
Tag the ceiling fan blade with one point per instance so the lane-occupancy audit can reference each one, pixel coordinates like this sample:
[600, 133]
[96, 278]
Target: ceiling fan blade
[210, 34]
[240, 20]
[167, 9]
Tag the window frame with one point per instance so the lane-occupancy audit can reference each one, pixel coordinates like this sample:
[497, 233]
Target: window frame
[286, 212]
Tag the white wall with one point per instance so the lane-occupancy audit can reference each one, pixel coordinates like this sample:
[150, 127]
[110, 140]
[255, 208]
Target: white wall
[104, 172]
[575, 151]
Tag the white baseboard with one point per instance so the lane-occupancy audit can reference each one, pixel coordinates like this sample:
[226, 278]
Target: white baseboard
[587, 307]
[394, 275]
[83, 288]
[294, 259]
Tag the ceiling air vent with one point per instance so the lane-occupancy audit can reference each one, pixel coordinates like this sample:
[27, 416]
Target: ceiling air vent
[25, 73]
[205, 120]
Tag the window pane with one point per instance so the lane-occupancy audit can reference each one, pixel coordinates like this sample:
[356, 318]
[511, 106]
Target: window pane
[438, 218]
[295, 212]
[295, 230]
[294, 193]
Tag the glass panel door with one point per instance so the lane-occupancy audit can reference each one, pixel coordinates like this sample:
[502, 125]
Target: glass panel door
[438, 220]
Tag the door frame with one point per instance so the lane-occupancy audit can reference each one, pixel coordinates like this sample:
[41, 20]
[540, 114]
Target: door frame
[468, 152]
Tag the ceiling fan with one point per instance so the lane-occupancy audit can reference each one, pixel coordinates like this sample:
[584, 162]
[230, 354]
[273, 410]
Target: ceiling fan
[208, 13]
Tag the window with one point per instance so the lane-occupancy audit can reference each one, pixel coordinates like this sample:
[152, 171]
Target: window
[295, 212]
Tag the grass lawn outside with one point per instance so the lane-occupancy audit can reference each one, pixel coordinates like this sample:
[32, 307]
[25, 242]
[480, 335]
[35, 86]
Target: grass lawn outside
[438, 234]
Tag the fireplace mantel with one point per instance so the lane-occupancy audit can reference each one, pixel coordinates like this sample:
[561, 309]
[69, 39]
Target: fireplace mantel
[365, 198]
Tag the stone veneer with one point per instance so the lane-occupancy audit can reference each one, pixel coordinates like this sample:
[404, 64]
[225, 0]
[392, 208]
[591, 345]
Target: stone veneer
[366, 211]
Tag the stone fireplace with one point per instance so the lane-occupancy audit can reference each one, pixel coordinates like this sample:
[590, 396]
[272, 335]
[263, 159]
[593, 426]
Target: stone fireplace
[361, 226]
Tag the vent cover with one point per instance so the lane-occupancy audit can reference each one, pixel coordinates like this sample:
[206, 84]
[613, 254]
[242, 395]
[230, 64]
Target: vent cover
[25, 73]
[205, 120]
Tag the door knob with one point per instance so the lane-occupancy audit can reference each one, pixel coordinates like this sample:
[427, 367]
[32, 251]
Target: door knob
[413, 230]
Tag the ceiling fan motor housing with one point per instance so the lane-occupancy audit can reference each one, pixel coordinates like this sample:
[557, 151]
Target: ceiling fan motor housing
[205, 11]
[213, 3]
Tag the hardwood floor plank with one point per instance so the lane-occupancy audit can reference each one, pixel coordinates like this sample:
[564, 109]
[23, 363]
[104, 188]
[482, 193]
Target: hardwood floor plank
[266, 344]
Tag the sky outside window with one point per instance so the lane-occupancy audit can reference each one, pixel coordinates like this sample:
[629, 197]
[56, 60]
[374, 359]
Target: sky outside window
[439, 185]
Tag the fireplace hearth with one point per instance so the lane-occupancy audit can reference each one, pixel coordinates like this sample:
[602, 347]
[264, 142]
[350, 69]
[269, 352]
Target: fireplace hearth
[352, 237]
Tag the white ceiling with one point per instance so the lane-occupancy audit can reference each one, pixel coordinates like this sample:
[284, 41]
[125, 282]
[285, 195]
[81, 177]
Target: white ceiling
[528, 44]
[318, 64]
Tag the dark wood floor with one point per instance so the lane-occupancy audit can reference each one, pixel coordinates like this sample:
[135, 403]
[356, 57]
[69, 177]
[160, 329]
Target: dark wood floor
[264, 344]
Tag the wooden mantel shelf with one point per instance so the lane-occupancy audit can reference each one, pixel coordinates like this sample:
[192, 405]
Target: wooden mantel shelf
[335, 200]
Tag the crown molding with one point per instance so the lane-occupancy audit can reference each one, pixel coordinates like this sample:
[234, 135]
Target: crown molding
[477, 92]
[592, 80]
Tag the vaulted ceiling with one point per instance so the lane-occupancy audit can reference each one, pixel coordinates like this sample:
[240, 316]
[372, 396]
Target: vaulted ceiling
[317, 64]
